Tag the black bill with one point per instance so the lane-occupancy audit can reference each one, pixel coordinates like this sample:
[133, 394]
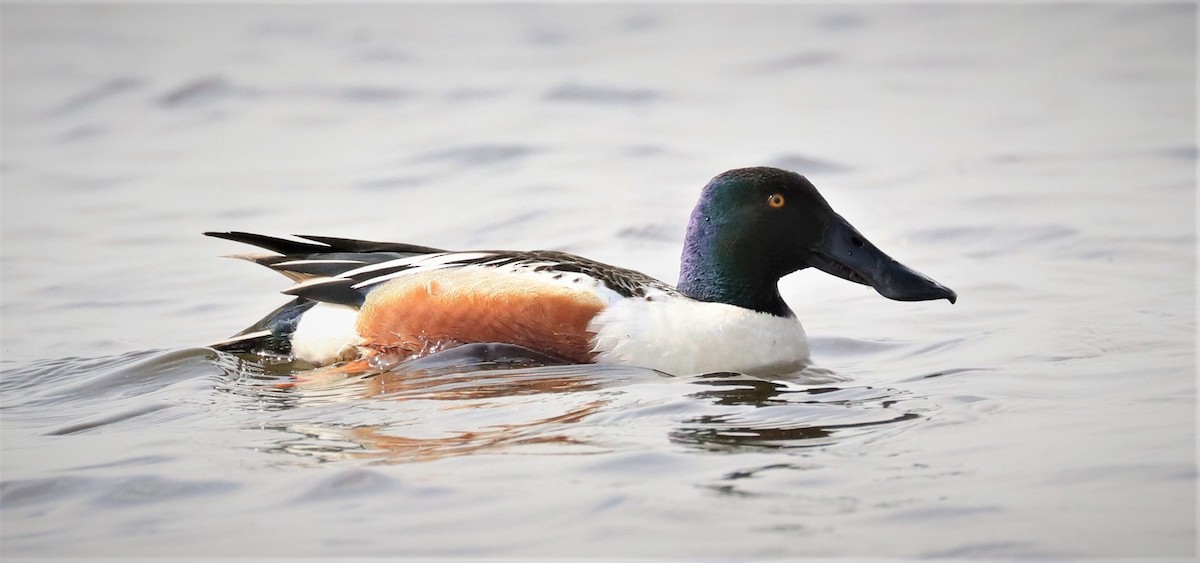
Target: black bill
[845, 253]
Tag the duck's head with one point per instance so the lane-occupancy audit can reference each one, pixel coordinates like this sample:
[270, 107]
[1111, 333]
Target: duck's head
[753, 226]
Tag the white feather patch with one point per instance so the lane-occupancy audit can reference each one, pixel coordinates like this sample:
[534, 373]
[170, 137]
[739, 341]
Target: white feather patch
[325, 333]
[307, 262]
[682, 336]
[413, 265]
[439, 259]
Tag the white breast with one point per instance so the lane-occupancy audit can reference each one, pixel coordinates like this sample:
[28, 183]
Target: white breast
[681, 336]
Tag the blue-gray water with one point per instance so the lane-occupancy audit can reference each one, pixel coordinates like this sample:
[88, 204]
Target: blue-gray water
[1039, 159]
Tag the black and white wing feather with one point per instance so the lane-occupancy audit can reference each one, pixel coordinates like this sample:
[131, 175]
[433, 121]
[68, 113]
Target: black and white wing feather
[343, 271]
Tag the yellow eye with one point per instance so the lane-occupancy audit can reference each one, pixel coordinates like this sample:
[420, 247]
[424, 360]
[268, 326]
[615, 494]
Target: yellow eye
[775, 201]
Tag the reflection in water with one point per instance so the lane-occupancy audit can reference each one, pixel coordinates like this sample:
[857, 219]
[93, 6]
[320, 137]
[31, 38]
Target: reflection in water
[724, 432]
[446, 383]
[784, 415]
[459, 404]
[436, 392]
[329, 443]
[280, 383]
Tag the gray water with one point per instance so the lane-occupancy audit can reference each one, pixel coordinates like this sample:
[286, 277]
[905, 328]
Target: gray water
[1038, 159]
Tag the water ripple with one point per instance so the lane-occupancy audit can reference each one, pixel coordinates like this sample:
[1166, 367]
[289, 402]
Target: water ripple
[786, 415]
[437, 407]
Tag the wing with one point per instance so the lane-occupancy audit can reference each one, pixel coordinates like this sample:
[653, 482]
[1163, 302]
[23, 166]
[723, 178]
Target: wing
[540, 299]
[343, 271]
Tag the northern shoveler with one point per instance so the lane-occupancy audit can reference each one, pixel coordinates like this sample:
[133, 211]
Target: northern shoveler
[358, 299]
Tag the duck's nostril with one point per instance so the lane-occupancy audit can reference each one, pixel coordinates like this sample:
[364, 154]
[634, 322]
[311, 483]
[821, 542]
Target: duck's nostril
[857, 241]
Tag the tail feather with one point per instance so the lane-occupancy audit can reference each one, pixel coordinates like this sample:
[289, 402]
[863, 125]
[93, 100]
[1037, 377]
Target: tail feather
[352, 245]
[339, 291]
[316, 264]
[244, 342]
[300, 260]
[326, 244]
[324, 267]
[272, 333]
[274, 244]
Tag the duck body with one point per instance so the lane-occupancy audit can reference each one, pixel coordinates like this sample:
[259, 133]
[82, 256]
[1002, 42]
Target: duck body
[356, 305]
[386, 302]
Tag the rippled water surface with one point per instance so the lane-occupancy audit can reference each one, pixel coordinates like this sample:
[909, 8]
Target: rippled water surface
[1039, 159]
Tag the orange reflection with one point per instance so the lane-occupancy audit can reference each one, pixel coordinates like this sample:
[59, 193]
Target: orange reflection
[453, 389]
[375, 441]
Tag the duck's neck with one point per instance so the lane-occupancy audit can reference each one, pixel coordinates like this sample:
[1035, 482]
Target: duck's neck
[713, 270]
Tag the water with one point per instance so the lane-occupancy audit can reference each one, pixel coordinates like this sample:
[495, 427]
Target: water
[1038, 159]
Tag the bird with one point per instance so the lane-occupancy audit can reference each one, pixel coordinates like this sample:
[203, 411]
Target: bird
[368, 303]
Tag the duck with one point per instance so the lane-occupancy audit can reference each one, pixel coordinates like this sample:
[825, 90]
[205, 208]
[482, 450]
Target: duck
[380, 303]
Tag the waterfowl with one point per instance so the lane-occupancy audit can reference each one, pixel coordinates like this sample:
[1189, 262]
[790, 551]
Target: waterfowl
[384, 302]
